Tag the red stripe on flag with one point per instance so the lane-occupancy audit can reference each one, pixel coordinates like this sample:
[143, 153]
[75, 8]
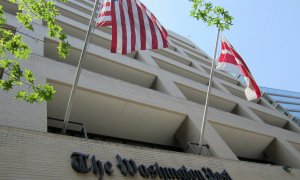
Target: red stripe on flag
[105, 4]
[152, 29]
[165, 39]
[163, 32]
[255, 87]
[234, 53]
[114, 29]
[228, 58]
[105, 23]
[242, 61]
[124, 32]
[227, 47]
[131, 17]
[153, 35]
[232, 57]
[142, 27]
[132, 27]
[244, 71]
[241, 64]
[105, 13]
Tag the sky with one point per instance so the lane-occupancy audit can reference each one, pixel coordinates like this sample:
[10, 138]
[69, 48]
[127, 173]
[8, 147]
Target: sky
[266, 33]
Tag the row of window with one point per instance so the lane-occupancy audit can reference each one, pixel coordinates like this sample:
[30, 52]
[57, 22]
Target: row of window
[287, 102]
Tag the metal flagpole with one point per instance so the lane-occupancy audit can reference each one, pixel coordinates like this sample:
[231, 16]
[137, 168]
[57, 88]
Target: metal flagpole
[208, 94]
[81, 59]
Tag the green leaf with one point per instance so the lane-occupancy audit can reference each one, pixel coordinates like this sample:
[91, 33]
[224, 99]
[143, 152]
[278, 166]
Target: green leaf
[13, 43]
[6, 85]
[29, 77]
[5, 63]
[2, 19]
[63, 49]
[21, 94]
[25, 19]
[213, 16]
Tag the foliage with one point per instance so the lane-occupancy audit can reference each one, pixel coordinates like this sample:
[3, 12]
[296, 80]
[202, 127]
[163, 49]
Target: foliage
[11, 43]
[212, 15]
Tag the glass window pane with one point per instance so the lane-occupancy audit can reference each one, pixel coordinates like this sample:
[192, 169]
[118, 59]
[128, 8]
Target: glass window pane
[278, 91]
[290, 106]
[286, 99]
[297, 114]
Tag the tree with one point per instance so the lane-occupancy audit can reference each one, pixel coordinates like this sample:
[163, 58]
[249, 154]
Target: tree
[12, 44]
[212, 15]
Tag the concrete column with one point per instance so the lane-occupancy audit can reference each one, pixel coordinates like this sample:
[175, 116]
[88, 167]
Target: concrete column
[282, 152]
[189, 131]
[166, 85]
[217, 146]
[219, 86]
[145, 57]
[199, 67]
[179, 50]
[250, 113]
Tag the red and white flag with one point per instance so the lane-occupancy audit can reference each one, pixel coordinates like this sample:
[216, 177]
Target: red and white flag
[134, 27]
[231, 61]
[104, 16]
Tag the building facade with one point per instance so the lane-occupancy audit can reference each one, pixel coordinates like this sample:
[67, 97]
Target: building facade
[146, 107]
[287, 102]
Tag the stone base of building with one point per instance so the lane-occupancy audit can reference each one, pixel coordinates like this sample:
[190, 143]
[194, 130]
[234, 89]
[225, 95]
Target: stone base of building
[27, 154]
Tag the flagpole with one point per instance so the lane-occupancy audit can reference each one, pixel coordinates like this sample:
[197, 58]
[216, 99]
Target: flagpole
[208, 94]
[81, 59]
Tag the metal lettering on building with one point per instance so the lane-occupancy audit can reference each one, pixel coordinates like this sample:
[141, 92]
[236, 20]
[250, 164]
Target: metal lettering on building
[129, 168]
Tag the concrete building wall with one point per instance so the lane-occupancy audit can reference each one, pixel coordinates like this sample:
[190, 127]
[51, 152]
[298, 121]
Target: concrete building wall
[16, 113]
[47, 156]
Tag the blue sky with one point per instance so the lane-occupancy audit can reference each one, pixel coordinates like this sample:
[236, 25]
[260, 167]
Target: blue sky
[266, 33]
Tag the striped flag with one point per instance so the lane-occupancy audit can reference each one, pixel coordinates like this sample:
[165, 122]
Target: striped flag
[231, 61]
[104, 16]
[134, 27]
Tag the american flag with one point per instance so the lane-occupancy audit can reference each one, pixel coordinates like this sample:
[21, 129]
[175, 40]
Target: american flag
[134, 27]
[104, 16]
[231, 61]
